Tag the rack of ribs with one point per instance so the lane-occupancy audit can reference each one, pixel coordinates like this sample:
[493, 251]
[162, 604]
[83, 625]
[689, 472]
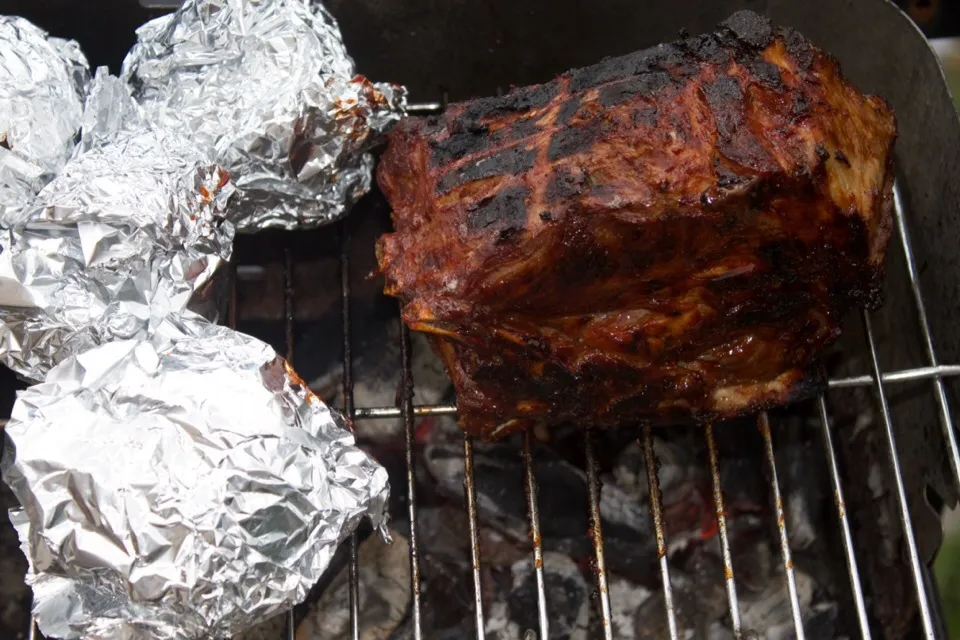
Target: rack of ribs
[671, 236]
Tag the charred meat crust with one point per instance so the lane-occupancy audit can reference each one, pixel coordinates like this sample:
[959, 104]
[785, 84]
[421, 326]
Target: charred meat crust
[667, 236]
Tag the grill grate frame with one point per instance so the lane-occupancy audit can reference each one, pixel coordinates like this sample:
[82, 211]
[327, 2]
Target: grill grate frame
[935, 372]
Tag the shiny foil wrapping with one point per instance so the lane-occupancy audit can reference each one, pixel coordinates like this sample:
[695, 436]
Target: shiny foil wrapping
[268, 89]
[43, 81]
[127, 233]
[182, 487]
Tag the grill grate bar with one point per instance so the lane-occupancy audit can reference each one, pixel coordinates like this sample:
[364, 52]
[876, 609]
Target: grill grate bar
[915, 565]
[596, 535]
[656, 511]
[764, 425]
[844, 521]
[905, 375]
[348, 411]
[291, 628]
[530, 485]
[949, 435]
[470, 489]
[408, 427]
[424, 108]
[722, 530]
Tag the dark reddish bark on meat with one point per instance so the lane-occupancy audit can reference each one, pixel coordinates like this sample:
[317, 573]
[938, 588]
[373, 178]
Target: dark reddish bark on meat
[672, 235]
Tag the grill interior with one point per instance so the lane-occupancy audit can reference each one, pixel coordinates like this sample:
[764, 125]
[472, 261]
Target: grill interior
[933, 373]
[869, 339]
[286, 249]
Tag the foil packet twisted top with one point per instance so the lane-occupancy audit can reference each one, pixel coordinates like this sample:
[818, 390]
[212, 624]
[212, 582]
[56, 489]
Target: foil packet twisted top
[186, 486]
[43, 81]
[269, 90]
[127, 233]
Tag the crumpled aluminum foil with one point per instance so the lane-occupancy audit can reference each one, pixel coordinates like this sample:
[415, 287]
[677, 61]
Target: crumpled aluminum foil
[127, 233]
[43, 81]
[268, 89]
[183, 487]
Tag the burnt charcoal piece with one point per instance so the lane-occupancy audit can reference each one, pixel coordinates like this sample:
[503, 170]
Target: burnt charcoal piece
[671, 236]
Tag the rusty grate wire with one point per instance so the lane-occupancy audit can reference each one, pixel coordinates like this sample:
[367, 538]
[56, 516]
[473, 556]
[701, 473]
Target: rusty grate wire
[934, 372]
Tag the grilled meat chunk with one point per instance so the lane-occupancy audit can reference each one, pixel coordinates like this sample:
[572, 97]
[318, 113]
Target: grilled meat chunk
[668, 236]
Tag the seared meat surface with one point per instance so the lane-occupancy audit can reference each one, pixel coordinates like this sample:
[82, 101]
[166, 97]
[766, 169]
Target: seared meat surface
[668, 236]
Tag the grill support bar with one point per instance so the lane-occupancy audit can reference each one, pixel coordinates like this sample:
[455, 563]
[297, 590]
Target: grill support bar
[291, 627]
[530, 487]
[348, 411]
[596, 535]
[470, 490]
[906, 375]
[946, 422]
[915, 565]
[763, 422]
[406, 382]
[722, 534]
[851, 558]
[656, 512]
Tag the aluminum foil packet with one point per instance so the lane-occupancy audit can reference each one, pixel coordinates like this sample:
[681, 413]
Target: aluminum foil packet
[43, 82]
[187, 486]
[268, 89]
[129, 231]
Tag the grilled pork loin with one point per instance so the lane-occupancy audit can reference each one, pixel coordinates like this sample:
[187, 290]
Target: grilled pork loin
[668, 236]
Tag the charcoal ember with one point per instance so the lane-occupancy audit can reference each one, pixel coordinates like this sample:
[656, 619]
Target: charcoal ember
[768, 613]
[502, 504]
[626, 599]
[513, 613]
[270, 629]
[871, 506]
[678, 464]
[378, 358]
[684, 486]
[447, 596]
[698, 596]
[384, 582]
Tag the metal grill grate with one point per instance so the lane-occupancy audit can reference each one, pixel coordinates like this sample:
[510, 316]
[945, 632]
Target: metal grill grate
[934, 372]
[406, 410]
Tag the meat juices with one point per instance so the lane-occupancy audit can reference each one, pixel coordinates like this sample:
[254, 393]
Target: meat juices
[668, 236]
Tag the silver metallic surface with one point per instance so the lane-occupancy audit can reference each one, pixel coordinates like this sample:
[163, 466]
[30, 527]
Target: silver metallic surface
[268, 91]
[348, 407]
[126, 234]
[43, 81]
[763, 423]
[723, 536]
[850, 556]
[656, 511]
[183, 487]
[596, 535]
[470, 492]
[905, 375]
[530, 488]
[290, 630]
[406, 405]
[923, 598]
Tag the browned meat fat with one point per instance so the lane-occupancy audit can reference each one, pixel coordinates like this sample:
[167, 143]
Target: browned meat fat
[669, 236]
